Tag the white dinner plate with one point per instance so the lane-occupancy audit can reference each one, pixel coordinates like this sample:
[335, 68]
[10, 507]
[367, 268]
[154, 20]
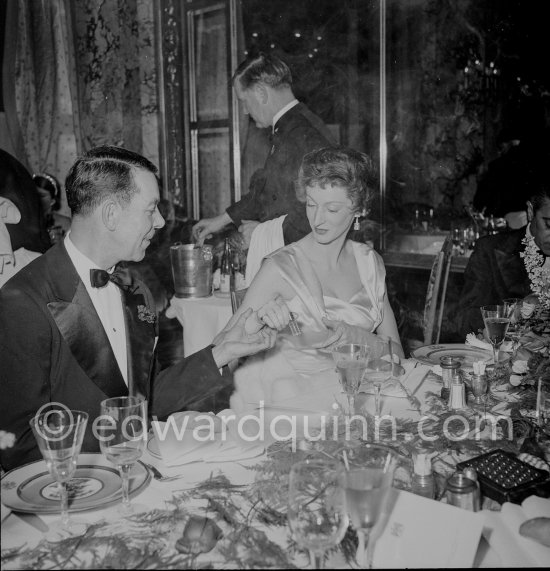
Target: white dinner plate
[466, 354]
[95, 484]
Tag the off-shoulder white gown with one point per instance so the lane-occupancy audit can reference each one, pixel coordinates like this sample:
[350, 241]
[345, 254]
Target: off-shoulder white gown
[291, 374]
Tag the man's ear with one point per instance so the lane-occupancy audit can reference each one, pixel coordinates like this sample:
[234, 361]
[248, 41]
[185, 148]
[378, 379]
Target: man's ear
[530, 212]
[261, 93]
[110, 214]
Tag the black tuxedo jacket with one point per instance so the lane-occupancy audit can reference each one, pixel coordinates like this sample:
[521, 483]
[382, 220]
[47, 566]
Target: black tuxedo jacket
[494, 272]
[53, 348]
[272, 192]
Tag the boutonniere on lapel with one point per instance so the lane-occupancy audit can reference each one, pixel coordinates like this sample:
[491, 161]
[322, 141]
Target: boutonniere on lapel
[145, 314]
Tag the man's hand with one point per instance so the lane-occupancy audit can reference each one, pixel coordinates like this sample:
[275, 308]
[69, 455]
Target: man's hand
[246, 228]
[235, 342]
[204, 228]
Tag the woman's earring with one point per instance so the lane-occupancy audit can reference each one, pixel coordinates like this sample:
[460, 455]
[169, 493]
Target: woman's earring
[356, 225]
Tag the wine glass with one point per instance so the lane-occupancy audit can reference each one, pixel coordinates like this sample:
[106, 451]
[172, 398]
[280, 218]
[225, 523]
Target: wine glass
[351, 362]
[368, 483]
[317, 514]
[59, 433]
[379, 366]
[122, 433]
[496, 323]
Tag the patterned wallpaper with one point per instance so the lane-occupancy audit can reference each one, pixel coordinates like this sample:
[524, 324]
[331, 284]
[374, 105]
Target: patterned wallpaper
[117, 81]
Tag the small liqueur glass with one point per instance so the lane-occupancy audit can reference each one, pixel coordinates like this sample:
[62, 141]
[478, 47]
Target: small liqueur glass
[479, 386]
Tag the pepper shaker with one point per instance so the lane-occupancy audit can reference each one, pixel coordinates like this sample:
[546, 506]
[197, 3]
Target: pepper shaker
[449, 367]
[461, 492]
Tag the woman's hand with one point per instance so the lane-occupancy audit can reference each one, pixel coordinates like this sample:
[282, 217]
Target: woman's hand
[275, 314]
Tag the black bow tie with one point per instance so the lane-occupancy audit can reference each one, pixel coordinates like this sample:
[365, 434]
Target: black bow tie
[121, 277]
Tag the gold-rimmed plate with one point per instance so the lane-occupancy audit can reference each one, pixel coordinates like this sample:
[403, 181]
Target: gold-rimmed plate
[466, 354]
[95, 484]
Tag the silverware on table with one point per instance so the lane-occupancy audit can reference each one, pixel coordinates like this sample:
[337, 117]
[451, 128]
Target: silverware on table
[159, 476]
[33, 520]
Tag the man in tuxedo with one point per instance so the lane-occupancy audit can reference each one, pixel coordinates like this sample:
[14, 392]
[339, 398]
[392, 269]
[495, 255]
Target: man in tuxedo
[75, 328]
[263, 84]
[496, 270]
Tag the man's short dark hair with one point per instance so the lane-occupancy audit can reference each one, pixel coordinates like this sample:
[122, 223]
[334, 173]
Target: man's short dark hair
[103, 172]
[263, 68]
[540, 194]
[339, 166]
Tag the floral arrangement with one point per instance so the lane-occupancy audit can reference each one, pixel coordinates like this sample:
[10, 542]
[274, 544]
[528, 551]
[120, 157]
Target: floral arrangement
[538, 276]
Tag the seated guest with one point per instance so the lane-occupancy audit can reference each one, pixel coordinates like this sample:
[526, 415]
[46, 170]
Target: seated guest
[497, 268]
[76, 329]
[334, 285]
[16, 184]
[11, 261]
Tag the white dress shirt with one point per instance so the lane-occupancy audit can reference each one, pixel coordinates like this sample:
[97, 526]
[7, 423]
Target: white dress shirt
[107, 301]
[280, 113]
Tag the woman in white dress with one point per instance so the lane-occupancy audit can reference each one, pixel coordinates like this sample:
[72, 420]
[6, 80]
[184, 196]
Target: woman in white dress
[335, 287]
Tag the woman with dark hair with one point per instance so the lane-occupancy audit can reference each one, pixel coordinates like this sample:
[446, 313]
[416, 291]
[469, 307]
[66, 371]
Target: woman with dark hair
[49, 190]
[335, 286]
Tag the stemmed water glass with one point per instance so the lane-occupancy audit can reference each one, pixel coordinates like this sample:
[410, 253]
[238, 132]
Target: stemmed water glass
[317, 514]
[379, 366]
[369, 479]
[496, 322]
[122, 430]
[351, 362]
[59, 433]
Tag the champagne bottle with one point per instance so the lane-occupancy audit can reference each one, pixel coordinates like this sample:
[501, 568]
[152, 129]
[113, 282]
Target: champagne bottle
[225, 269]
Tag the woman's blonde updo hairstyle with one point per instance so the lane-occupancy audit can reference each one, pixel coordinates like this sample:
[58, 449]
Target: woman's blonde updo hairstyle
[349, 169]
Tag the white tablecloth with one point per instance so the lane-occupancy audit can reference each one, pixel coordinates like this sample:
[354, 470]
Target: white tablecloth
[202, 319]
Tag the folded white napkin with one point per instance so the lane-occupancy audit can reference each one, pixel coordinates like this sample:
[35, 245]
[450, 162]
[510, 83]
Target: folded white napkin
[266, 238]
[472, 340]
[502, 532]
[192, 436]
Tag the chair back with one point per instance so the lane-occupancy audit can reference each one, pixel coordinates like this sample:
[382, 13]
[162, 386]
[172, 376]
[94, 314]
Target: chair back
[237, 296]
[436, 292]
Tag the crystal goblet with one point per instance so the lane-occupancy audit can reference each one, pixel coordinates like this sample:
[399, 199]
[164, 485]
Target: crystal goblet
[316, 507]
[59, 433]
[368, 485]
[351, 362]
[122, 431]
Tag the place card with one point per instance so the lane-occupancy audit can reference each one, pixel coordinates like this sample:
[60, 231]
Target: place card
[420, 532]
